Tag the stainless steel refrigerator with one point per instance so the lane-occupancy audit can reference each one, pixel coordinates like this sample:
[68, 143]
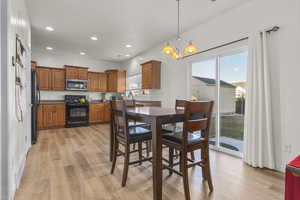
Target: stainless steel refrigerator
[35, 102]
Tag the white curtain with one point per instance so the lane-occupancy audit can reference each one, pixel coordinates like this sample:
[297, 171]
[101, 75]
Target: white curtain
[259, 147]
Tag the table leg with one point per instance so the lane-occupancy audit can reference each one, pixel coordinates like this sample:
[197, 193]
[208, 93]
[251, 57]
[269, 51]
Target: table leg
[157, 158]
[111, 142]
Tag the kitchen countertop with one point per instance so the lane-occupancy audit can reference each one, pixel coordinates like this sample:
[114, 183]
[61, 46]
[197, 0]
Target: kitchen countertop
[98, 101]
[62, 101]
[52, 102]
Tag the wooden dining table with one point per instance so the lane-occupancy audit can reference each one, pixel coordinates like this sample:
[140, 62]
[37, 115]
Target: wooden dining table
[156, 117]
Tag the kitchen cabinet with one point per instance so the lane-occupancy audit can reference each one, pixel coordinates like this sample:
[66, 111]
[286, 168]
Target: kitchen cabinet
[116, 80]
[58, 79]
[82, 73]
[92, 81]
[44, 78]
[40, 123]
[51, 78]
[97, 81]
[151, 72]
[107, 112]
[96, 113]
[74, 72]
[99, 112]
[102, 77]
[51, 116]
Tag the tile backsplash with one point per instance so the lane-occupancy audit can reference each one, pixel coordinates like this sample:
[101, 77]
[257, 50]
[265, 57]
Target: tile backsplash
[59, 95]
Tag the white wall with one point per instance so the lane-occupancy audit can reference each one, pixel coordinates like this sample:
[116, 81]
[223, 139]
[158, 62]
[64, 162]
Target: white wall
[2, 156]
[59, 59]
[236, 24]
[15, 135]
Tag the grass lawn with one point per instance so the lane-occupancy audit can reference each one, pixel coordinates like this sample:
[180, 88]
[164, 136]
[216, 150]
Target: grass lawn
[232, 126]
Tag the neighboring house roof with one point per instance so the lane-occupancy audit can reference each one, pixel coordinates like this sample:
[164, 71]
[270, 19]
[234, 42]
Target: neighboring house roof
[210, 81]
[239, 84]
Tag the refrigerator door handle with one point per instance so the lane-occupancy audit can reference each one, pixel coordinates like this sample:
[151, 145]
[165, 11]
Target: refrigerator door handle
[38, 90]
[38, 97]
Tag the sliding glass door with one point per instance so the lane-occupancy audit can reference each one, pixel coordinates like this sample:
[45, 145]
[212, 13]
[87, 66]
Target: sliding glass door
[204, 88]
[222, 78]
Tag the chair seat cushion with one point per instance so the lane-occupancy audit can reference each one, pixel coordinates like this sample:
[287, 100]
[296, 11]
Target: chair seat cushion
[176, 137]
[135, 124]
[137, 134]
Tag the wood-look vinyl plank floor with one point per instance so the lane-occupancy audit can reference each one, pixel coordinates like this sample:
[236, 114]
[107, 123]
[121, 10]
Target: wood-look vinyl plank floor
[73, 164]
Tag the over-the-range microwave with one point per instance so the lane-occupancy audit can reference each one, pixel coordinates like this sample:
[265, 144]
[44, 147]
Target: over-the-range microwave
[74, 84]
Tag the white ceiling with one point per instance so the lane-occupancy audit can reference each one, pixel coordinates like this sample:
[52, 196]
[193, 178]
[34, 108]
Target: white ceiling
[141, 23]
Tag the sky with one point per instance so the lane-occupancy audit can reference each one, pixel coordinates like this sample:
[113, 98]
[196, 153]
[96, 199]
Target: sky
[233, 68]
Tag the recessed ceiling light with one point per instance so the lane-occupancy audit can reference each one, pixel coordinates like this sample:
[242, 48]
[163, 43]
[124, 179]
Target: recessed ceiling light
[128, 45]
[94, 38]
[49, 28]
[82, 53]
[127, 55]
[49, 48]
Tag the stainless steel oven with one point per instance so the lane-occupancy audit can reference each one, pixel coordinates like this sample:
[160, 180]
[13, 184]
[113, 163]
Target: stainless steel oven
[74, 84]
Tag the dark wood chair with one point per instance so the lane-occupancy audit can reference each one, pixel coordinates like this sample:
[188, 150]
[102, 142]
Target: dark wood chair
[134, 123]
[179, 105]
[125, 135]
[194, 136]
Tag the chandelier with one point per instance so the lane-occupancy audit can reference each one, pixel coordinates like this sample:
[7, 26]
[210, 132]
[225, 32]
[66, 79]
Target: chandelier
[178, 50]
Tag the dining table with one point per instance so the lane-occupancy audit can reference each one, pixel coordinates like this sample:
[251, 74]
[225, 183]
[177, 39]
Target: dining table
[156, 117]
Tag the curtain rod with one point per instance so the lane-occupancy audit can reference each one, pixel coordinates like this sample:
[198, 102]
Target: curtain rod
[273, 29]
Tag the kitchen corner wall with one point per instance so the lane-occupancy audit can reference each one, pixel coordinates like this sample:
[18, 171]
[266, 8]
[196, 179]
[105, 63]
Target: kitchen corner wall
[59, 59]
[232, 25]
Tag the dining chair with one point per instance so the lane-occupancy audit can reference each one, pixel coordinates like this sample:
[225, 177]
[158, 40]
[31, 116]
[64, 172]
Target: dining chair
[125, 135]
[174, 127]
[133, 123]
[194, 136]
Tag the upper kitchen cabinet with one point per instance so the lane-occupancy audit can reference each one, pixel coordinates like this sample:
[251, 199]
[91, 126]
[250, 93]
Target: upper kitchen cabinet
[116, 80]
[102, 77]
[44, 78]
[151, 74]
[58, 79]
[92, 81]
[97, 81]
[74, 72]
[51, 78]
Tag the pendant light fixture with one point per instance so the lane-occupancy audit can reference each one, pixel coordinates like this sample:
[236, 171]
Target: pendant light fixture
[176, 52]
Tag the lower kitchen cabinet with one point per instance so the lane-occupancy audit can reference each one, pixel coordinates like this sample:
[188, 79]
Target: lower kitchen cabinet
[51, 116]
[99, 112]
[96, 112]
[54, 115]
[40, 117]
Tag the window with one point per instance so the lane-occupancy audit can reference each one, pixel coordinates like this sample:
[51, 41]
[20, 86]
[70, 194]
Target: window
[134, 86]
[133, 82]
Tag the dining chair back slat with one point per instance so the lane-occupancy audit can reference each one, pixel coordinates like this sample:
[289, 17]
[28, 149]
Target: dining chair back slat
[197, 116]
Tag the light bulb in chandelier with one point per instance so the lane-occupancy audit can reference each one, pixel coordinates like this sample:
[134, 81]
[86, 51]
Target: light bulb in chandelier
[190, 49]
[176, 56]
[168, 49]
